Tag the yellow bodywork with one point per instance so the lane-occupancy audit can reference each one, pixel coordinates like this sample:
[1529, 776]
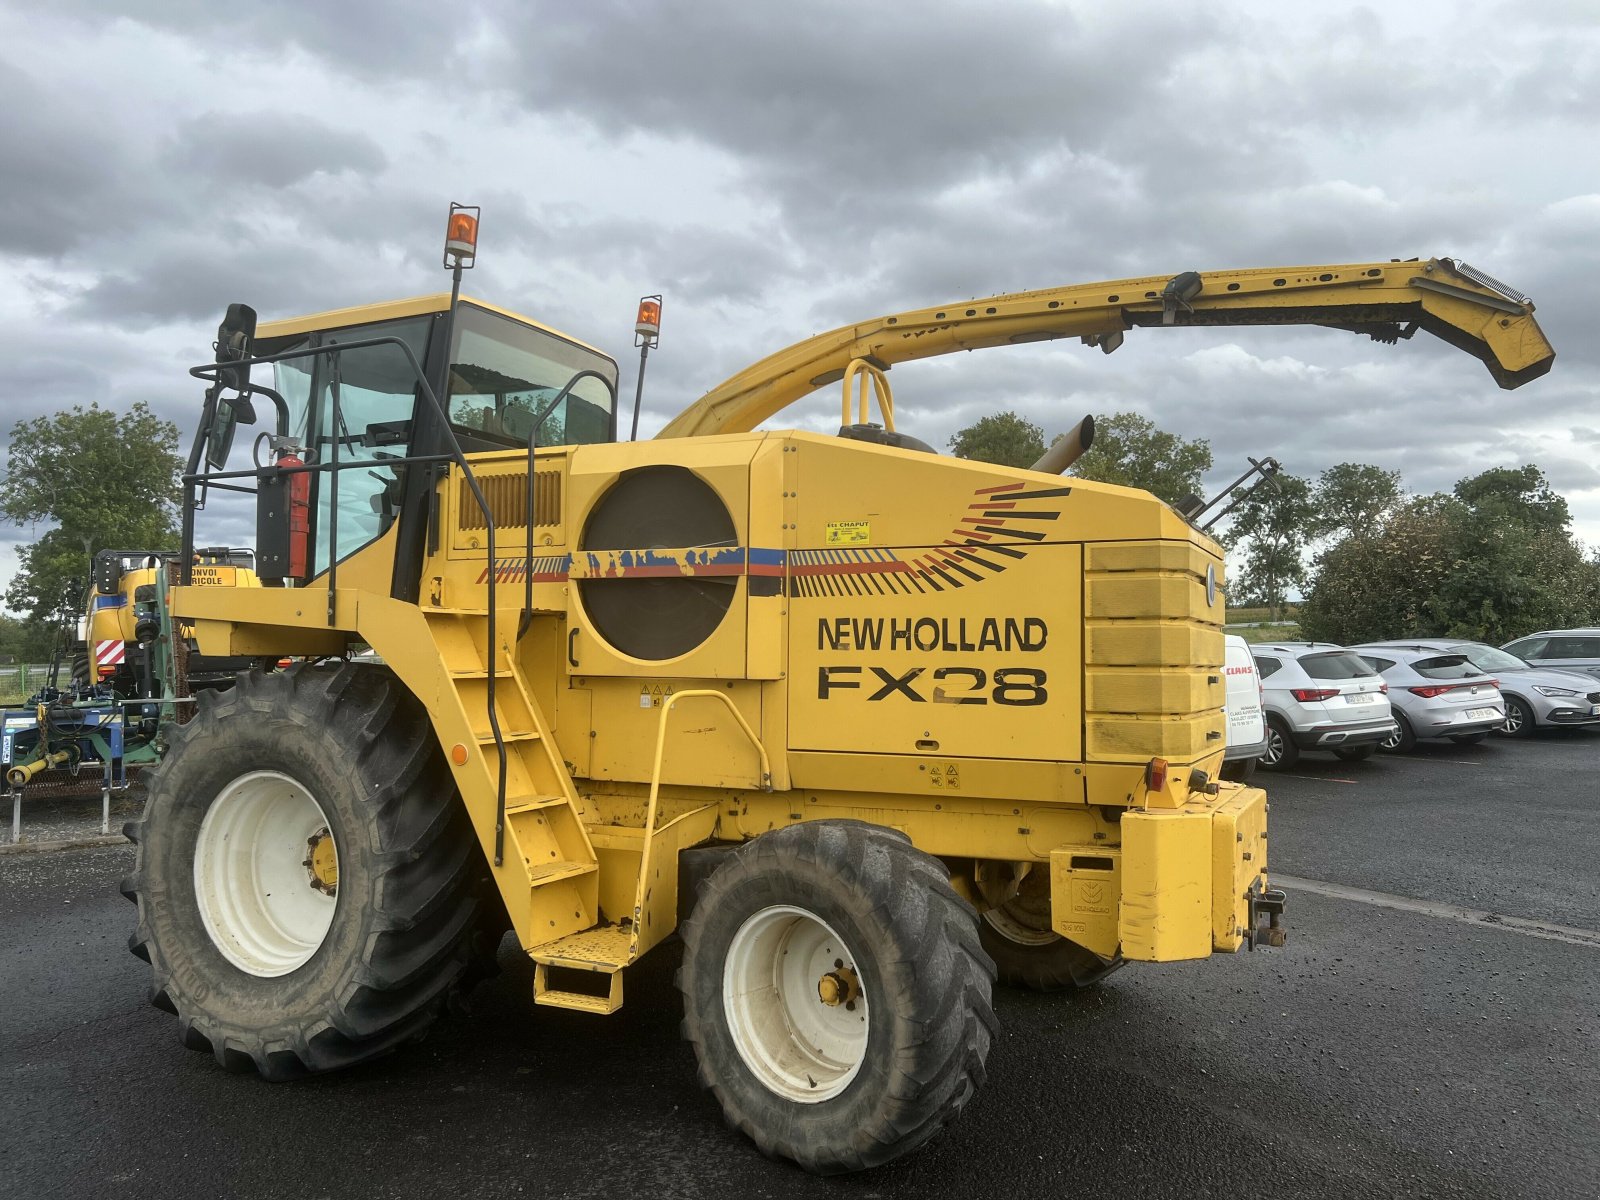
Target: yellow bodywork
[985, 658]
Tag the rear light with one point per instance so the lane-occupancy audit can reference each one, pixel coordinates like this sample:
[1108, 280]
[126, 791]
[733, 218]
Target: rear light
[1437, 689]
[1308, 695]
[1494, 683]
[1384, 688]
[1155, 774]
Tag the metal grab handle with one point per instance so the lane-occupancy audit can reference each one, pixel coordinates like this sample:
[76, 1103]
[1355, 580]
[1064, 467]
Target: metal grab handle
[655, 776]
[572, 641]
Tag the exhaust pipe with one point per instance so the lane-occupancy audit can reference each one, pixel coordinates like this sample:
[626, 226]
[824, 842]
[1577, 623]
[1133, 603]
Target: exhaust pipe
[1067, 449]
[18, 776]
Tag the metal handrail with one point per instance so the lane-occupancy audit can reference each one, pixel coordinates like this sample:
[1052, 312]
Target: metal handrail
[655, 773]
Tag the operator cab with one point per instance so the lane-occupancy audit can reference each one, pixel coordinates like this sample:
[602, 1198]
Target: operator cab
[503, 369]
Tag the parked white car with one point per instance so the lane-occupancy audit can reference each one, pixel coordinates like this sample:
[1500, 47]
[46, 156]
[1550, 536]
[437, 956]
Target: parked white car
[1247, 722]
[1320, 696]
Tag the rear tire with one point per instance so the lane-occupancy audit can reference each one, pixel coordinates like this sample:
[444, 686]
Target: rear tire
[1356, 753]
[1402, 740]
[1027, 952]
[288, 967]
[1281, 751]
[872, 923]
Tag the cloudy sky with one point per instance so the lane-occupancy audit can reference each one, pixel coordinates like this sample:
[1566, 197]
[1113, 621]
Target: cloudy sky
[778, 170]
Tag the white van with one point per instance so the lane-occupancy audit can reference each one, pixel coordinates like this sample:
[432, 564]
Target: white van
[1247, 725]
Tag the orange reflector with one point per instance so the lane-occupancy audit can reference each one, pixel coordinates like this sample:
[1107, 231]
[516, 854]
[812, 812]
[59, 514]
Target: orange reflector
[1155, 774]
[649, 319]
[461, 235]
[458, 754]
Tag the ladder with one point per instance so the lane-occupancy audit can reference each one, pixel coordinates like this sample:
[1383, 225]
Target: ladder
[548, 875]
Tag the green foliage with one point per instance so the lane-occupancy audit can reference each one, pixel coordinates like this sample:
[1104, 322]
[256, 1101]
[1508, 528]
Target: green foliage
[25, 641]
[1440, 566]
[1003, 438]
[101, 479]
[1353, 497]
[1520, 495]
[1128, 449]
[1272, 526]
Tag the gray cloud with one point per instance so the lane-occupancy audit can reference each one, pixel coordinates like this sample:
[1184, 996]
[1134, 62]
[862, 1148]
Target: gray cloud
[776, 177]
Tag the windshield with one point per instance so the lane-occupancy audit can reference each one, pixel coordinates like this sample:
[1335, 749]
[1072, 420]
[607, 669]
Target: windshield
[503, 374]
[1487, 658]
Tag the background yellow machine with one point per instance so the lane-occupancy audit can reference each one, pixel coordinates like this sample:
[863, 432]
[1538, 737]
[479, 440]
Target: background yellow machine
[865, 724]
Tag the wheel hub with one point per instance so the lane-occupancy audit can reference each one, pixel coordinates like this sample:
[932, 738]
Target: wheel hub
[322, 862]
[839, 986]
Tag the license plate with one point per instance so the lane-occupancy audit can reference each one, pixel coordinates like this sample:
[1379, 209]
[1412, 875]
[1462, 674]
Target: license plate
[1594, 710]
[1484, 714]
[213, 576]
[1362, 698]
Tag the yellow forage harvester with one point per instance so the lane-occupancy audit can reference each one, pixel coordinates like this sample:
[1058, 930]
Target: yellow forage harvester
[869, 726]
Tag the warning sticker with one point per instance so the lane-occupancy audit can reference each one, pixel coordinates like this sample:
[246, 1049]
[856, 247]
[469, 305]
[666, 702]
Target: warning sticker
[849, 533]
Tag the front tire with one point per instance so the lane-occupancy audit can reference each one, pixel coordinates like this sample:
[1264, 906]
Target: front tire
[836, 995]
[310, 892]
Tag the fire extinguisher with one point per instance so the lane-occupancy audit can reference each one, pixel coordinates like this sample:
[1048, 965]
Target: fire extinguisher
[283, 512]
[299, 509]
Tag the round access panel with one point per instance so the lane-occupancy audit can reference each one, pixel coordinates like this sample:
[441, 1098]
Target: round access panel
[662, 617]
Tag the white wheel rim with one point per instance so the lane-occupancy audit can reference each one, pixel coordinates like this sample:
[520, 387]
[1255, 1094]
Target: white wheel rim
[797, 1044]
[262, 904]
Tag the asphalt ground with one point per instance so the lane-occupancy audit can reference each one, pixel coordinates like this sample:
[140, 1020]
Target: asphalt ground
[1380, 1053]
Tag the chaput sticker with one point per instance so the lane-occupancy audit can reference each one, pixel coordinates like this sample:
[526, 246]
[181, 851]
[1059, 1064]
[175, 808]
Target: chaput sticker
[849, 533]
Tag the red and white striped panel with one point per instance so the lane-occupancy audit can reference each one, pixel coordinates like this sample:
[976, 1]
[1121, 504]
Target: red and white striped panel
[108, 656]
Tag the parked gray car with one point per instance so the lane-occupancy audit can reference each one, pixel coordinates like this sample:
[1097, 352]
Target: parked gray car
[1535, 697]
[1435, 695]
[1560, 650]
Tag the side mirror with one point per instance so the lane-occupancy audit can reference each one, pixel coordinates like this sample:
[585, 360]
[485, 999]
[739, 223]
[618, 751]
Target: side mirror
[234, 335]
[219, 441]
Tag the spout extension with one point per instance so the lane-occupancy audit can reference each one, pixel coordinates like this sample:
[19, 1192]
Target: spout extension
[1067, 449]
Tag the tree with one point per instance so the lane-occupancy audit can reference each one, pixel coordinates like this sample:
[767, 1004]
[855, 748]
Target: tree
[1441, 566]
[1003, 438]
[1353, 497]
[1272, 526]
[1520, 495]
[103, 480]
[1128, 449]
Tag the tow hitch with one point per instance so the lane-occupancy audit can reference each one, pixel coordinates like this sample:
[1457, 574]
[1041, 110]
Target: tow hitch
[1265, 902]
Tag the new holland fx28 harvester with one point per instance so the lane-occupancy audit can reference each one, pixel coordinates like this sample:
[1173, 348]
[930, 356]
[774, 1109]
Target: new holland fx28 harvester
[868, 726]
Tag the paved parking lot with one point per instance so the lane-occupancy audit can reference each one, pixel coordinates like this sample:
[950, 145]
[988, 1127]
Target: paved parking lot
[1430, 1050]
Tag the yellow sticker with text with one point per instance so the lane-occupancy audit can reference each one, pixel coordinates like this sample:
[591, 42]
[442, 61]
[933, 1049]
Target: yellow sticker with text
[849, 533]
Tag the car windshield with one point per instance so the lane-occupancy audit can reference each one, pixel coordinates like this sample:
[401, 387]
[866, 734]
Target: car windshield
[1334, 664]
[1487, 658]
[1446, 666]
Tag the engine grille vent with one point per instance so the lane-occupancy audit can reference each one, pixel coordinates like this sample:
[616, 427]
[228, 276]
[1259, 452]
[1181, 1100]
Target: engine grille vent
[508, 500]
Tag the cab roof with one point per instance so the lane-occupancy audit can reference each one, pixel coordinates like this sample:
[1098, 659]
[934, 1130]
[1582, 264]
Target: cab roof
[389, 310]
